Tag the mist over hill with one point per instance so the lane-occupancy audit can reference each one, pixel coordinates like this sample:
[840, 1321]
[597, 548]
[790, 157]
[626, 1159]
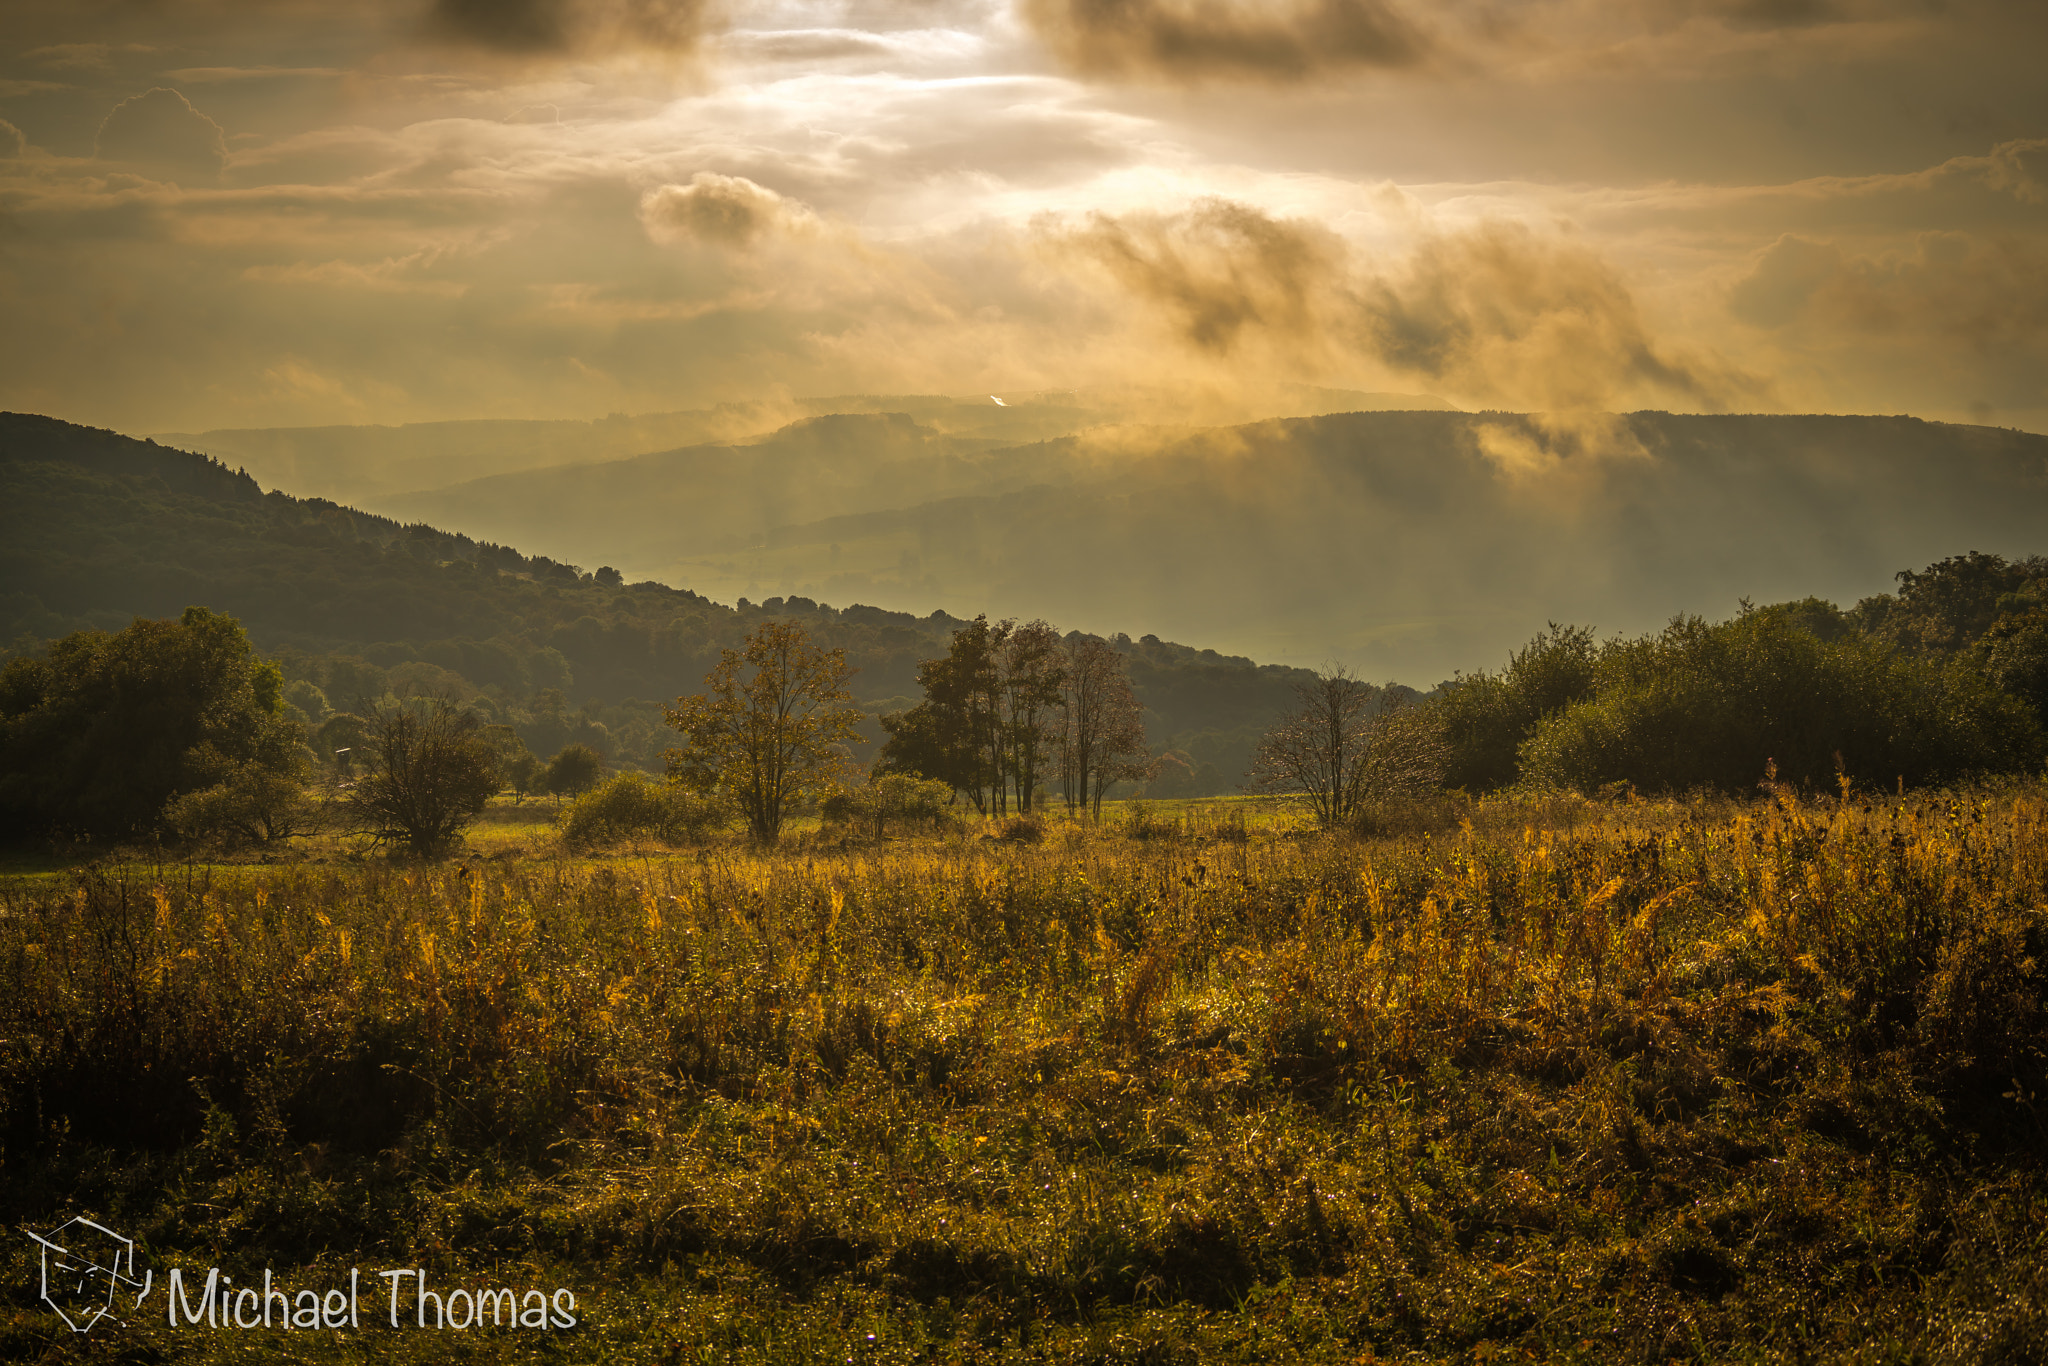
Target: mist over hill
[1410, 544]
[363, 463]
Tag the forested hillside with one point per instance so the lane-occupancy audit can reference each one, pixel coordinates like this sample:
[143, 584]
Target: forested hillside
[97, 529]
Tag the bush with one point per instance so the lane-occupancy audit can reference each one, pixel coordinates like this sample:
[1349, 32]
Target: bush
[898, 797]
[99, 738]
[1702, 705]
[1021, 830]
[427, 775]
[633, 806]
[253, 805]
[1486, 717]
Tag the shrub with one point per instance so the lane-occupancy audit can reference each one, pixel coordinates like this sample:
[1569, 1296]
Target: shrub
[252, 805]
[100, 737]
[427, 775]
[1021, 830]
[893, 797]
[1702, 705]
[1485, 717]
[633, 806]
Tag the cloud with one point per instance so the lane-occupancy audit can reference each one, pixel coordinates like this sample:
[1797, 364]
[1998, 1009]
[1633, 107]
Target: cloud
[572, 26]
[1195, 40]
[82, 56]
[1497, 311]
[12, 142]
[1220, 269]
[161, 126]
[214, 75]
[1987, 292]
[1545, 446]
[1493, 312]
[2020, 167]
[726, 211]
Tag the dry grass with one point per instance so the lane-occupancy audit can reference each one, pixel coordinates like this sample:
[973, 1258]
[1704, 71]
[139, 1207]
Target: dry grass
[1599, 1081]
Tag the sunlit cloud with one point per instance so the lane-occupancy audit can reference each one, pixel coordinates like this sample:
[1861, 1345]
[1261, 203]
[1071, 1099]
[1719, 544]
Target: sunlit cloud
[590, 204]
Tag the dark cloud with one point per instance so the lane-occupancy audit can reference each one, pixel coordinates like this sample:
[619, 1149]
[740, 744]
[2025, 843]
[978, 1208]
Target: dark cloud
[161, 127]
[1497, 308]
[550, 26]
[1219, 269]
[1194, 40]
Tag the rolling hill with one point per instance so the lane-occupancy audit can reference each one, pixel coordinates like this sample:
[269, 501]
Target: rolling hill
[98, 528]
[1411, 544]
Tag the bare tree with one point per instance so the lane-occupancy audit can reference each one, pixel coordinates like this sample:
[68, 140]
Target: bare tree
[1349, 746]
[1031, 669]
[429, 773]
[1102, 726]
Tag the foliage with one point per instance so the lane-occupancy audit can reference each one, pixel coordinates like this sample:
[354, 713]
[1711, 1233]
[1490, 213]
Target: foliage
[633, 806]
[1486, 717]
[1349, 747]
[251, 805]
[769, 734]
[1008, 703]
[2013, 653]
[574, 771]
[427, 775]
[1703, 1081]
[955, 735]
[886, 799]
[1710, 705]
[98, 738]
[1948, 606]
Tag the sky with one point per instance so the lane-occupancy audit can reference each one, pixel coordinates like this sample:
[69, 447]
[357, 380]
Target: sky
[222, 213]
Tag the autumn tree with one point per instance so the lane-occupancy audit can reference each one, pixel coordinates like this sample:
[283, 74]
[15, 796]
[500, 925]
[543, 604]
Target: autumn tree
[573, 772]
[1347, 746]
[956, 733]
[769, 732]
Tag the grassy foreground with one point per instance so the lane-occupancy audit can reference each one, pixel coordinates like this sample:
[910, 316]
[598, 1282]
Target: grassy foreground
[1565, 1082]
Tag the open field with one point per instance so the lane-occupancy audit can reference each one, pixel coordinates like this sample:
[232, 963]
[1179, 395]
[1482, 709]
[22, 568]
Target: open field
[1559, 1081]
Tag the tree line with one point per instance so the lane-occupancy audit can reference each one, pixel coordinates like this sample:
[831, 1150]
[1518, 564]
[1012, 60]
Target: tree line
[1014, 711]
[176, 728]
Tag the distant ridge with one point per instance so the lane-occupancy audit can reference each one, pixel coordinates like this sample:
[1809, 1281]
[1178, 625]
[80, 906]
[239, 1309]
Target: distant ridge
[352, 463]
[1412, 543]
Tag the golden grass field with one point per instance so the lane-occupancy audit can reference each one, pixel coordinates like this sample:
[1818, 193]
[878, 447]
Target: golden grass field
[1534, 1080]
